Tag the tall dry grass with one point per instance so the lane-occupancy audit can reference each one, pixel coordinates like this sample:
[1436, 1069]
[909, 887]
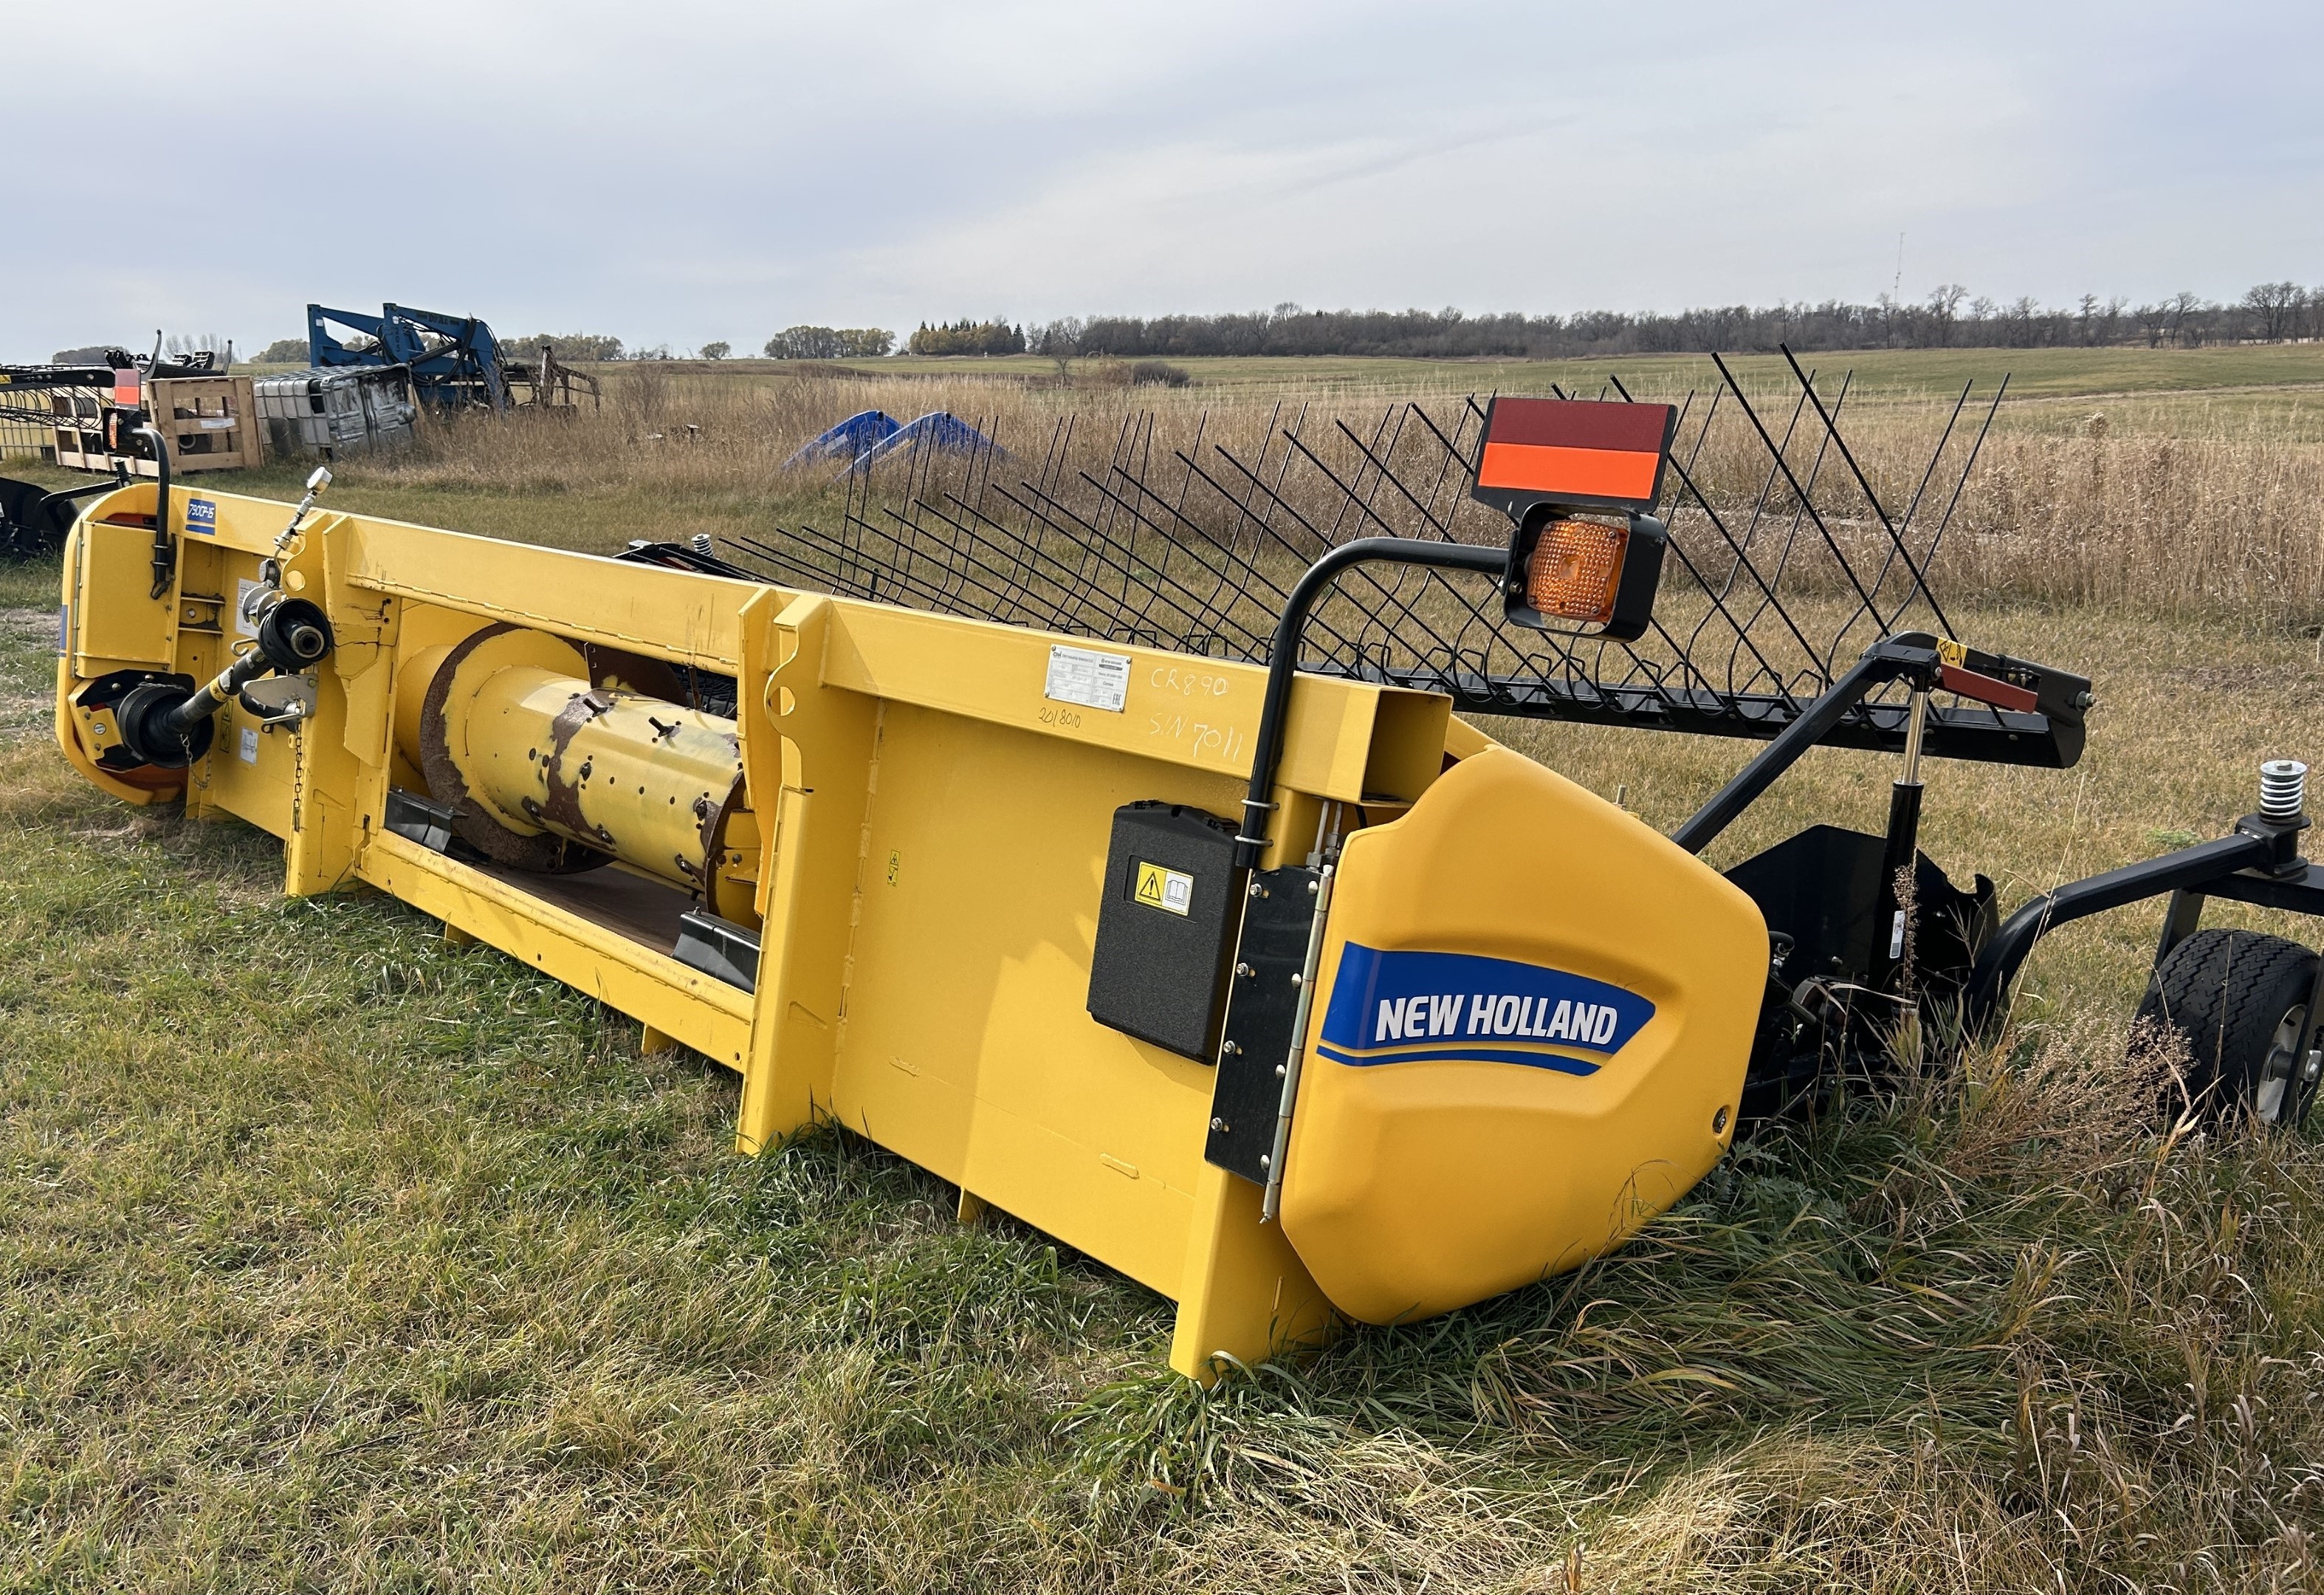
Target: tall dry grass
[2223, 519]
[1994, 1335]
[406, 1269]
[2171, 525]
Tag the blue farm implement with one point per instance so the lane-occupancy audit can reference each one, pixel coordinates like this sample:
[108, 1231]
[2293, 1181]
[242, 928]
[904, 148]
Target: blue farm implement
[455, 361]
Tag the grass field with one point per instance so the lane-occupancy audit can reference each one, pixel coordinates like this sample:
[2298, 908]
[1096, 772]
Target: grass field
[2175, 382]
[2177, 482]
[339, 1256]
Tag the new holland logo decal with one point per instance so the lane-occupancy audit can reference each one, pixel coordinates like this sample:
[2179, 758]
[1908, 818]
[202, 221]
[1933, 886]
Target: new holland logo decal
[1405, 1008]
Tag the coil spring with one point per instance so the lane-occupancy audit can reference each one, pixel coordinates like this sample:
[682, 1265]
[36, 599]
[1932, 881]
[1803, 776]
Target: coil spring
[2282, 789]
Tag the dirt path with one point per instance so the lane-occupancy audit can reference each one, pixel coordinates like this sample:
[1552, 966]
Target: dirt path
[2180, 395]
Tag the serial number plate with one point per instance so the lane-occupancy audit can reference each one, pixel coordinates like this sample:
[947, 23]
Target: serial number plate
[1085, 677]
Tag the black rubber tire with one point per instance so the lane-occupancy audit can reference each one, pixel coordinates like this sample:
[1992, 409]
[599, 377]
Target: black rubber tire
[2231, 995]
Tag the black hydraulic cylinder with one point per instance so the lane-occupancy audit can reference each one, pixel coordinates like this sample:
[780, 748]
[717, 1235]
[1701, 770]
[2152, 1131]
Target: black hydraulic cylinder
[1898, 858]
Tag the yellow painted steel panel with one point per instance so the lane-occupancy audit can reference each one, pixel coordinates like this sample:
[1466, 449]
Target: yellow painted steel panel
[114, 622]
[1105, 1204]
[1244, 1291]
[251, 771]
[1195, 712]
[652, 987]
[1447, 1152]
[808, 754]
[984, 855]
[668, 614]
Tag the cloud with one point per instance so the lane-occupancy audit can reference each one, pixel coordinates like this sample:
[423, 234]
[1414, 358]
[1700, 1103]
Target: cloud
[698, 169]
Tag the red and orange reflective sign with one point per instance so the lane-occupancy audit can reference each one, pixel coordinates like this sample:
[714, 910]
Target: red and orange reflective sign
[1574, 451]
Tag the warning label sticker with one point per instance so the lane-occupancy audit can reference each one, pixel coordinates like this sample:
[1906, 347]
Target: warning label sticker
[250, 745]
[1085, 677]
[1170, 890]
[245, 590]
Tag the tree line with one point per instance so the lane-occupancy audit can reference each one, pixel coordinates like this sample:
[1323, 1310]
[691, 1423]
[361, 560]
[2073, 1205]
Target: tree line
[830, 343]
[1949, 316]
[969, 337]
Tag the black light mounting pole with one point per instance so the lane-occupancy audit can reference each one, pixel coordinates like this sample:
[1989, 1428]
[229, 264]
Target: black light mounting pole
[1283, 659]
[165, 549]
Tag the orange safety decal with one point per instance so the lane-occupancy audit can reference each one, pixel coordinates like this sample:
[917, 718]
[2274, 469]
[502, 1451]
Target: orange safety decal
[1985, 689]
[1584, 473]
[1580, 452]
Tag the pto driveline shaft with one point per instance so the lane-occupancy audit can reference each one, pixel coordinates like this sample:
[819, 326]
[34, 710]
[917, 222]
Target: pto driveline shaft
[208, 700]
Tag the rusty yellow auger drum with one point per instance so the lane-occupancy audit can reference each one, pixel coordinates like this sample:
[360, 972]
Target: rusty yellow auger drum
[544, 769]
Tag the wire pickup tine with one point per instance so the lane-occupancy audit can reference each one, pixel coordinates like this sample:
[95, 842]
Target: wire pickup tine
[1189, 531]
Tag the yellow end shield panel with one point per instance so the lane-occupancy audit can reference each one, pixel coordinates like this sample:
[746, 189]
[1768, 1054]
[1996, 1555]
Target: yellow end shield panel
[1530, 1038]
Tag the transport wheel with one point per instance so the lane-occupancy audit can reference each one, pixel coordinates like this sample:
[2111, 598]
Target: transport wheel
[2240, 1002]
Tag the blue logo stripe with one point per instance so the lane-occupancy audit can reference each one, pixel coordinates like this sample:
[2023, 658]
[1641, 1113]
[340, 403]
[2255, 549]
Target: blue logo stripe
[1466, 1054]
[1465, 1006]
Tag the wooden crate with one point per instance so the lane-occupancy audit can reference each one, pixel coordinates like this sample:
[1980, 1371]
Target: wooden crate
[209, 423]
[80, 428]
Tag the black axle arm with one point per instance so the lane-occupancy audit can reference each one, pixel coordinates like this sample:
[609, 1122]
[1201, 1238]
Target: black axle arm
[2259, 863]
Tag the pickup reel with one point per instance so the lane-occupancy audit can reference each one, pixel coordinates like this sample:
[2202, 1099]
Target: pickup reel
[1606, 562]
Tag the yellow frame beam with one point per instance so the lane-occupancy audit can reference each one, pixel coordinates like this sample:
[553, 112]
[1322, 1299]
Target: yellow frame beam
[1025, 1102]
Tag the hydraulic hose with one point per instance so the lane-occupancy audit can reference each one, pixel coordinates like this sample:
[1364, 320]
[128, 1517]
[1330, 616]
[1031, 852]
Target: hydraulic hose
[1283, 656]
[165, 550]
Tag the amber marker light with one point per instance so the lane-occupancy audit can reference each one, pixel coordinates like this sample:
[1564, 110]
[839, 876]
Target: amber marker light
[1578, 480]
[1575, 569]
[1575, 572]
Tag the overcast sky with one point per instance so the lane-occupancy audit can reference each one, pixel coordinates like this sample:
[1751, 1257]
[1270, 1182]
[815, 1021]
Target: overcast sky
[680, 170]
